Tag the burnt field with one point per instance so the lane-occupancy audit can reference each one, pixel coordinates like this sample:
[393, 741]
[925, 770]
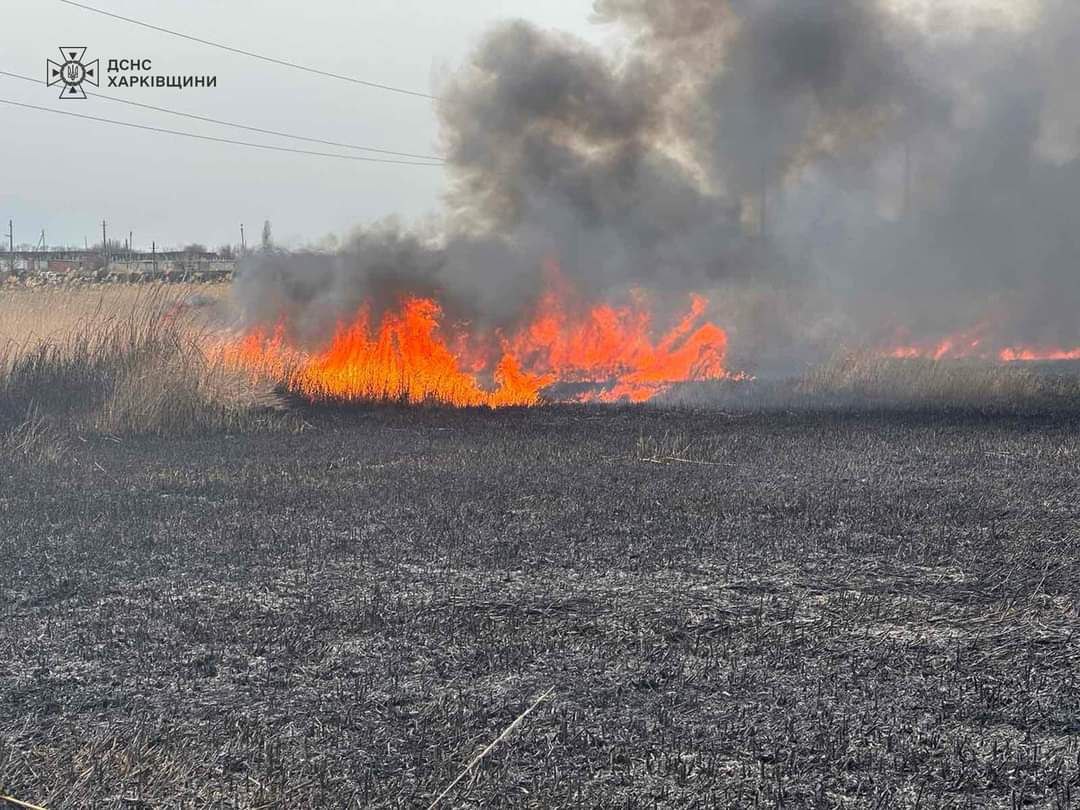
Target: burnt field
[789, 609]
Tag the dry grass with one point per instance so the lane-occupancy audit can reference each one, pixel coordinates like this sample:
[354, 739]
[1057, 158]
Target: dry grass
[118, 361]
[32, 440]
[865, 376]
[866, 380]
[31, 315]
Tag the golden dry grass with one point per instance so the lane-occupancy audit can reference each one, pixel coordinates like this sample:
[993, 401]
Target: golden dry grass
[113, 360]
[30, 315]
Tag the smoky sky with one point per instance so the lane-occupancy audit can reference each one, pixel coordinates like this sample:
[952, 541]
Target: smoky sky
[827, 146]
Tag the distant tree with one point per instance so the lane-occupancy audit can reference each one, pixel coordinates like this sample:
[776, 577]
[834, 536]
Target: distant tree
[227, 252]
[195, 248]
[267, 237]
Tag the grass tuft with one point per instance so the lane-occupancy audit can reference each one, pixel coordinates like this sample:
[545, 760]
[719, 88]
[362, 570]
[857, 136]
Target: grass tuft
[33, 441]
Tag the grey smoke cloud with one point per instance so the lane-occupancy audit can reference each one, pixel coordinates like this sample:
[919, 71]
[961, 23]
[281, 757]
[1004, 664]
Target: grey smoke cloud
[898, 169]
[552, 142]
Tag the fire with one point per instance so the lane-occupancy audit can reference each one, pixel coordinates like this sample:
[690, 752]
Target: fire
[613, 344]
[960, 346]
[412, 355]
[975, 344]
[1022, 354]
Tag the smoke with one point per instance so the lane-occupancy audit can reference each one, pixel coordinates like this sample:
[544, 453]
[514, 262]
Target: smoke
[835, 151]
[563, 152]
[313, 291]
[991, 223]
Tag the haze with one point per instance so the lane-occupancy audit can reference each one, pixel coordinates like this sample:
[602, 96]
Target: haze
[65, 175]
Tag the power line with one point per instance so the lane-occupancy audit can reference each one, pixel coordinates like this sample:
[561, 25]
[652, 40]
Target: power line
[252, 54]
[215, 139]
[234, 124]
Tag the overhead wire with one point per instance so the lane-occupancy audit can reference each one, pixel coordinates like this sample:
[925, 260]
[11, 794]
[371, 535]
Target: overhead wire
[252, 54]
[215, 139]
[261, 130]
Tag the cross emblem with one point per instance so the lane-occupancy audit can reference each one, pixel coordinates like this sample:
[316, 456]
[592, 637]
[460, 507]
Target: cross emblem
[72, 72]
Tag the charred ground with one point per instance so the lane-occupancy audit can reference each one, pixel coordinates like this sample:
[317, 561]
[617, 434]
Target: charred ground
[777, 609]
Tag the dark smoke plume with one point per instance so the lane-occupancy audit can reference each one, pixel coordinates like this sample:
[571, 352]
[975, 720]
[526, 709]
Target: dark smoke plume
[878, 171]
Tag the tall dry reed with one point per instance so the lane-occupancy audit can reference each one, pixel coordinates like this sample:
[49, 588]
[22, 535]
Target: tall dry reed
[121, 365]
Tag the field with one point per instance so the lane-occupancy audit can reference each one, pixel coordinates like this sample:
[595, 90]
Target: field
[809, 606]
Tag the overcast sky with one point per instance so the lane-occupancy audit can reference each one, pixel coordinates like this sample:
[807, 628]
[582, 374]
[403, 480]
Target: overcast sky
[65, 175]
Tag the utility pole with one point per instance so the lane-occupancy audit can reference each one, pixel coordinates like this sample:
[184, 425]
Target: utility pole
[153, 253]
[243, 242]
[104, 247]
[131, 241]
[11, 246]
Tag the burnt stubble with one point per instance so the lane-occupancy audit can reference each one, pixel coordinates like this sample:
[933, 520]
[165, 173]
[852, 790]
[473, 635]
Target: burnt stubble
[787, 609]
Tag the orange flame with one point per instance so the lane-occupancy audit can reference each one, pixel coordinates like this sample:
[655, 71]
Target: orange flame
[973, 344]
[959, 346]
[410, 356]
[1029, 354]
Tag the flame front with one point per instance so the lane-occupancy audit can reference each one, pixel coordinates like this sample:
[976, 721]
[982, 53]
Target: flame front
[1030, 354]
[976, 344]
[411, 356]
